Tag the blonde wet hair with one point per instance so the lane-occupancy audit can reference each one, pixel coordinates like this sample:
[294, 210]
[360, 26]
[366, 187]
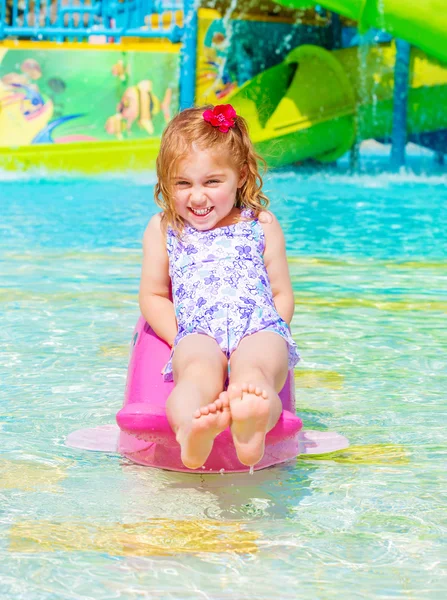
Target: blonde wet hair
[189, 129]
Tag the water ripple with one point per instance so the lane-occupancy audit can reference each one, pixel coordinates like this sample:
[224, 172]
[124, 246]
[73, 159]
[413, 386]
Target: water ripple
[369, 271]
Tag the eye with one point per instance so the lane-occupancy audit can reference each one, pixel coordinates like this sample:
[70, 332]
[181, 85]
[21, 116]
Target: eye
[181, 183]
[212, 181]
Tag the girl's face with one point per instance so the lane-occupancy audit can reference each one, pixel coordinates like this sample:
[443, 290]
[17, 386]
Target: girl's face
[205, 187]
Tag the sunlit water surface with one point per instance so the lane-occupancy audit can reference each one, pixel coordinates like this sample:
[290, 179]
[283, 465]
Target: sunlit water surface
[368, 262]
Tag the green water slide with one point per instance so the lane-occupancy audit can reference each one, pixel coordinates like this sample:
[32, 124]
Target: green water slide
[317, 103]
[420, 22]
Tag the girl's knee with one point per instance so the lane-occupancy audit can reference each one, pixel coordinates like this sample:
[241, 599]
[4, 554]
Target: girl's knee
[197, 352]
[249, 374]
[200, 371]
[199, 368]
[262, 375]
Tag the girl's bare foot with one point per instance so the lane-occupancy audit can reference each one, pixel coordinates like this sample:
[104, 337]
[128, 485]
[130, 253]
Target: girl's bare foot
[250, 412]
[196, 439]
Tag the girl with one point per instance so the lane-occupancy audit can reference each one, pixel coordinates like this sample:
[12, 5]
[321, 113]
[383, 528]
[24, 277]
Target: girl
[215, 286]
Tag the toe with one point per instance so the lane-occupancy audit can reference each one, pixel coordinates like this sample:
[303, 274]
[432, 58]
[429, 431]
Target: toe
[223, 398]
[234, 391]
[212, 407]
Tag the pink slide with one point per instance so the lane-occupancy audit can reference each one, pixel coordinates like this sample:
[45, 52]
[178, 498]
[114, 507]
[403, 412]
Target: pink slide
[145, 437]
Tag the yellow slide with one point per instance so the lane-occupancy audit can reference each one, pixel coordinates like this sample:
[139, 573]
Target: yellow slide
[423, 23]
[317, 103]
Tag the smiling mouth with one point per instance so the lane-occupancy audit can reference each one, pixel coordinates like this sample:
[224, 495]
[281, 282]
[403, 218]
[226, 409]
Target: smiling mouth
[201, 212]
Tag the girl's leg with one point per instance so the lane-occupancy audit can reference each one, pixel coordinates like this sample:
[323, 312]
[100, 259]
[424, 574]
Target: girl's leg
[258, 371]
[194, 409]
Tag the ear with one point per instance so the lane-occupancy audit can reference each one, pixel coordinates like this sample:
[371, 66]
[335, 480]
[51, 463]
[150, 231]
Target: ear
[243, 176]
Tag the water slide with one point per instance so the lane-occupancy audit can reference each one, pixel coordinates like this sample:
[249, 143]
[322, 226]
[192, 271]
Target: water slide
[317, 103]
[420, 22]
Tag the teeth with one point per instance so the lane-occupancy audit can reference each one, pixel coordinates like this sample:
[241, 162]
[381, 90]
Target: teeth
[201, 212]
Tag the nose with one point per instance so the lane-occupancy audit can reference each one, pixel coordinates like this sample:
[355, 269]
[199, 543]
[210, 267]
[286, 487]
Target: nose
[197, 197]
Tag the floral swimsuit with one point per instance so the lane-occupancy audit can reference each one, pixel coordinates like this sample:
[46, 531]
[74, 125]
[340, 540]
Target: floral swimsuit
[220, 286]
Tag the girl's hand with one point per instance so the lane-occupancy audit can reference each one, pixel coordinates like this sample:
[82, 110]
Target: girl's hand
[275, 261]
[155, 285]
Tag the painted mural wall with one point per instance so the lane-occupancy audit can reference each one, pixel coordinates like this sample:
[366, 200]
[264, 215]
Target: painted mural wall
[53, 94]
[62, 96]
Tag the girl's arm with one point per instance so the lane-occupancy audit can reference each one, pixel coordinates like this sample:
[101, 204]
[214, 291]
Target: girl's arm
[155, 285]
[277, 268]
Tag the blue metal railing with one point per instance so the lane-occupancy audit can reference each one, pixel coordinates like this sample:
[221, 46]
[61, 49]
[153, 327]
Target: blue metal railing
[90, 20]
[188, 54]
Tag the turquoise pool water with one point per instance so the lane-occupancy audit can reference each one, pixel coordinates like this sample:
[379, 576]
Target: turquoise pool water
[368, 261]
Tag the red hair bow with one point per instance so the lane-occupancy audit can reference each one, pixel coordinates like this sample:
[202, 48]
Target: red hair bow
[222, 116]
